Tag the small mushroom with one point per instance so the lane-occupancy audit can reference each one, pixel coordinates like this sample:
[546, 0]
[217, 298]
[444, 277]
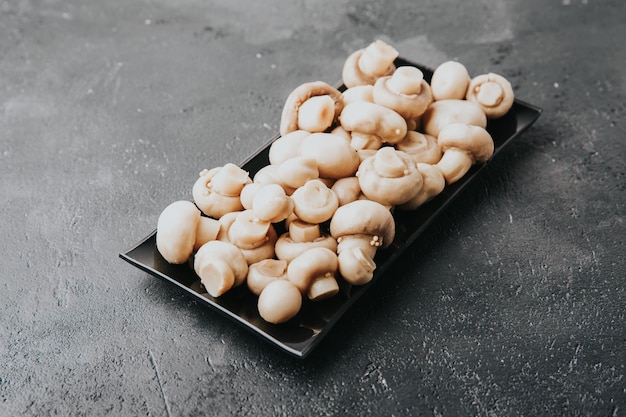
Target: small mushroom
[358, 93]
[405, 91]
[314, 265]
[443, 112]
[347, 189]
[335, 157]
[450, 81]
[208, 228]
[355, 254]
[269, 175]
[493, 93]
[434, 183]
[216, 192]
[366, 65]
[290, 119]
[255, 238]
[300, 237]
[220, 266]
[177, 227]
[286, 146]
[280, 301]
[422, 147]
[271, 204]
[314, 202]
[263, 272]
[390, 177]
[296, 171]
[462, 145]
[371, 125]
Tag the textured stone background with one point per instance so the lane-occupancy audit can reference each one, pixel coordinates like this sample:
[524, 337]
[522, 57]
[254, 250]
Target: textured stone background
[512, 303]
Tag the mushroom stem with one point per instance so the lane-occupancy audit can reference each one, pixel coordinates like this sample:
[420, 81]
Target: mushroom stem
[454, 164]
[388, 164]
[300, 231]
[216, 276]
[322, 287]
[247, 231]
[356, 266]
[377, 58]
[489, 94]
[316, 114]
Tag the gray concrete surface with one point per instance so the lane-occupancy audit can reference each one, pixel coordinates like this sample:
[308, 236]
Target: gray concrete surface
[511, 304]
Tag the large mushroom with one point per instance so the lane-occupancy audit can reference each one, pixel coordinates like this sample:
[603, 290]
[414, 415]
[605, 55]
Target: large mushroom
[318, 115]
[390, 177]
[365, 66]
[492, 92]
[335, 157]
[361, 227]
[181, 229]
[463, 146]
[279, 301]
[286, 146]
[443, 112]
[405, 91]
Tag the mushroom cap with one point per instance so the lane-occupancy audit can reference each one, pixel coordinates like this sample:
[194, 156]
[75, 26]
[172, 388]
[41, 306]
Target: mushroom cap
[444, 112]
[334, 155]
[421, 147]
[358, 93]
[373, 119]
[475, 140]
[286, 146]
[272, 204]
[314, 202]
[365, 65]
[220, 266]
[347, 189]
[433, 184]
[216, 194]
[176, 231]
[390, 177]
[279, 301]
[408, 105]
[263, 272]
[364, 217]
[492, 92]
[289, 116]
[449, 81]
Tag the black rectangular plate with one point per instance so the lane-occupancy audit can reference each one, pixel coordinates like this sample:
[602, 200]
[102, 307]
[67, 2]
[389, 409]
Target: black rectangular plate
[300, 335]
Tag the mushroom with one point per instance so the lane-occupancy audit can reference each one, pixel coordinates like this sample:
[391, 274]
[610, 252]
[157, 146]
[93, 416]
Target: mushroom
[255, 238]
[390, 177]
[294, 172]
[405, 91]
[279, 301]
[358, 93]
[286, 146]
[462, 145]
[314, 202]
[361, 227]
[492, 92]
[335, 157]
[269, 175]
[434, 183]
[217, 191]
[179, 227]
[366, 65]
[444, 112]
[220, 266]
[422, 147]
[271, 204]
[371, 125]
[300, 237]
[347, 189]
[449, 81]
[290, 119]
[263, 272]
[313, 273]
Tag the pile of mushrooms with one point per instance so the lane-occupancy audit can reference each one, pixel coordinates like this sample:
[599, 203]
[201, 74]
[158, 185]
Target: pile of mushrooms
[345, 161]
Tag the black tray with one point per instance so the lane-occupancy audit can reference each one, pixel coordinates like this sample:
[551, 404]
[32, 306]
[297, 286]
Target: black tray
[300, 335]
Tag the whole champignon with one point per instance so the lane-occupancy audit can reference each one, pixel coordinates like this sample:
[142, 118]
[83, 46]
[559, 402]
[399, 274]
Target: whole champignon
[220, 266]
[358, 93]
[286, 146]
[279, 301]
[390, 177]
[493, 93]
[296, 171]
[366, 65]
[443, 112]
[347, 189]
[263, 272]
[302, 93]
[335, 157]
[449, 81]
[300, 237]
[361, 227]
[422, 147]
[216, 192]
[434, 183]
[314, 202]
[313, 273]
[253, 237]
[463, 146]
[269, 175]
[372, 125]
[405, 91]
[271, 204]
[176, 231]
